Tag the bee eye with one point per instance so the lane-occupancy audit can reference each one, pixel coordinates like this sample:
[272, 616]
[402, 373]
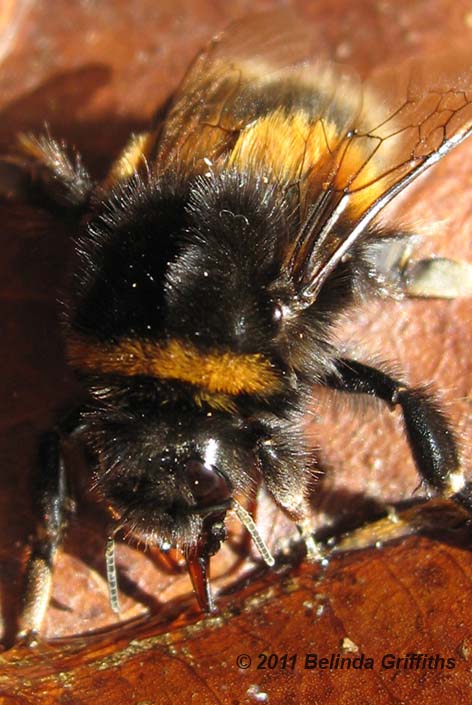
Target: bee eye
[207, 484]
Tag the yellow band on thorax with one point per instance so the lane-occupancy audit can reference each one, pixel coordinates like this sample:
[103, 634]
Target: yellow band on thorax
[217, 372]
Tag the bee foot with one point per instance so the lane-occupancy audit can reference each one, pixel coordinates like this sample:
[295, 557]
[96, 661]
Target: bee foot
[315, 551]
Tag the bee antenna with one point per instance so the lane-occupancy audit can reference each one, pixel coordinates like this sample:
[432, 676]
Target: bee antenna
[111, 575]
[246, 519]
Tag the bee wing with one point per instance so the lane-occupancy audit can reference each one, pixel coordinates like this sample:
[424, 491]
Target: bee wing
[411, 117]
[218, 97]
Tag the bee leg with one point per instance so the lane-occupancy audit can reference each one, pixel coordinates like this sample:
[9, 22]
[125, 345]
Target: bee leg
[49, 504]
[290, 489]
[390, 263]
[430, 436]
[315, 551]
[437, 278]
[41, 170]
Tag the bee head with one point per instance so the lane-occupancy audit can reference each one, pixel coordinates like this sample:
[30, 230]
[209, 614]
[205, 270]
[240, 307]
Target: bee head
[171, 481]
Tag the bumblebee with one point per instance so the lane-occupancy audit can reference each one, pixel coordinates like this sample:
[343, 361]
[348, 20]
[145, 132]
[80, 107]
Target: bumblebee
[213, 262]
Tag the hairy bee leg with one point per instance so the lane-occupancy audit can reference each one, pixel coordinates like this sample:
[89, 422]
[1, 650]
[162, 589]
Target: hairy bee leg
[49, 503]
[430, 436]
[290, 490]
[43, 168]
